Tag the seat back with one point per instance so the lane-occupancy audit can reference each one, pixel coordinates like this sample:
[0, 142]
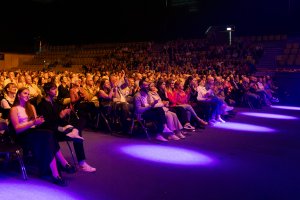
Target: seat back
[8, 146]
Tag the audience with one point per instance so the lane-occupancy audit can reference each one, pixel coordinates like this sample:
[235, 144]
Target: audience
[55, 116]
[40, 142]
[164, 83]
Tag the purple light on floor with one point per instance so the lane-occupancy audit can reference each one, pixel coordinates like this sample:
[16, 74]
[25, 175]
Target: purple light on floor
[244, 127]
[267, 115]
[28, 191]
[165, 154]
[287, 107]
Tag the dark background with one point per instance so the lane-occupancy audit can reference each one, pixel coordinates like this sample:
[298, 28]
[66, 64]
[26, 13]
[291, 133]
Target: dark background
[62, 22]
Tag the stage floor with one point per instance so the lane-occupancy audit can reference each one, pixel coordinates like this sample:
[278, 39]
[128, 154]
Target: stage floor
[248, 157]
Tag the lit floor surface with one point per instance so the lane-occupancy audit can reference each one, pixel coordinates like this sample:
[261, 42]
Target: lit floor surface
[249, 157]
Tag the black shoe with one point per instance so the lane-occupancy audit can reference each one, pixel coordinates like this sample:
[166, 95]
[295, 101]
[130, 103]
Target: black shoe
[59, 181]
[70, 169]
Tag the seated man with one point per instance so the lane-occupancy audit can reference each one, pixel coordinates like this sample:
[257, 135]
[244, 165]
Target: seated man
[54, 115]
[148, 111]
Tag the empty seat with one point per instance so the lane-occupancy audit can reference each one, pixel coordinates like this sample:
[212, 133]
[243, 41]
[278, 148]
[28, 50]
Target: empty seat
[277, 37]
[286, 51]
[295, 45]
[297, 61]
[294, 51]
[283, 37]
[288, 46]
[271, 37]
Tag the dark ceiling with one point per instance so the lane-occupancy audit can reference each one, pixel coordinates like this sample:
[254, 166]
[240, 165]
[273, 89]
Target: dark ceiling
[76, 22]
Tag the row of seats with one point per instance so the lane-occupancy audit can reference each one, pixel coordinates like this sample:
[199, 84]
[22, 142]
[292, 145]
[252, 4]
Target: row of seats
[262, 38]
[290, 56]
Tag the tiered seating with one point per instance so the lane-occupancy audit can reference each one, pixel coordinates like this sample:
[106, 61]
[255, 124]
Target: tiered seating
[290, 56]
[262, 38]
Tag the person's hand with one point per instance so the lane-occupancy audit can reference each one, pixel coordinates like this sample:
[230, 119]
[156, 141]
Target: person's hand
[166, 103]
[39, 120]
[67, 111]
[155, 102]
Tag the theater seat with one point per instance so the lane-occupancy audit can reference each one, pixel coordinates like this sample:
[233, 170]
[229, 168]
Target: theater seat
[10, 149]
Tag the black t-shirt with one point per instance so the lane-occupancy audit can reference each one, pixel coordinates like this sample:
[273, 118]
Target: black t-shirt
[50, 112]
[63, 92]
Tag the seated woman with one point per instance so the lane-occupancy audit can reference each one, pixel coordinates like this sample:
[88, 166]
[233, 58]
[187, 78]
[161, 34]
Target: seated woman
[148, 111]
[54, 116]
[105, 96]
[113, 103]
[178, 97]
[180, 111]
[10, 91]
[41, 142]
[172, 121]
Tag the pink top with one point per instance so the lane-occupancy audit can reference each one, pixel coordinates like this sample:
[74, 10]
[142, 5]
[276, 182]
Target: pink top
[172, 96]
[182, 97]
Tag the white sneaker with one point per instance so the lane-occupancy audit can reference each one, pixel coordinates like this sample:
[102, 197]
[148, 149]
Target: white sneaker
[64, 128]
[86, 168]
[74, 134]
[213, 122]
[229, 108]
[220, 120]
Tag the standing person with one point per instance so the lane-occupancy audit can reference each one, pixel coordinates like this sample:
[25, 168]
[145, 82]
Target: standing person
[54, 115]
[42, 143]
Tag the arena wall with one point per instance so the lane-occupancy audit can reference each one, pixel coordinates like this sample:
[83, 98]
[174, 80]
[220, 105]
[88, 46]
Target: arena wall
[13, 60]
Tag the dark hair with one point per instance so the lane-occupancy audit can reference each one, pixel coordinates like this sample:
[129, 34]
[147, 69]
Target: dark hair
[62, 78]
[28, 105]
[187, 83]
[159, 83]
[102, 82]
[47, 86]
[141, 82]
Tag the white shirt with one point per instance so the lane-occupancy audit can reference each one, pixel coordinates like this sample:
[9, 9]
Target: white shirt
[202, 93]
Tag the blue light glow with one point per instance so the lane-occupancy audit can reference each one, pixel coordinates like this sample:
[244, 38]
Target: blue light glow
[244, 127]
[29, 191]
[287, 107]
[267, 115]
[171, 155]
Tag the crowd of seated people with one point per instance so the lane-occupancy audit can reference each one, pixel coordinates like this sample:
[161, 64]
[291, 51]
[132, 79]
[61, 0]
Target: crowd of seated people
[39, 128]
[199, 98]
[174, 88]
